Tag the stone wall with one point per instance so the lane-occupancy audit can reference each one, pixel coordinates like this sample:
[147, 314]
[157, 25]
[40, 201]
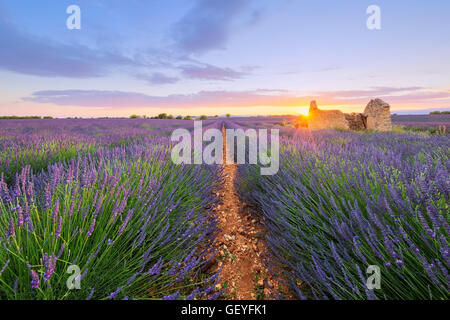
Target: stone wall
[356, 121]
[323, 119]
[376, 116]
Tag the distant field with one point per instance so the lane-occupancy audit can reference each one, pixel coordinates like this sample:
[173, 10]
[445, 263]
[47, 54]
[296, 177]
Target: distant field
[422, 120]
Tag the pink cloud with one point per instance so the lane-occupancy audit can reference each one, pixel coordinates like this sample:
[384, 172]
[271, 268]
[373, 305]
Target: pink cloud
[261, 97]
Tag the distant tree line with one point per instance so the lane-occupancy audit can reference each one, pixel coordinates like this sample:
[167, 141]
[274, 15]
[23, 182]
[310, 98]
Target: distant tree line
[440, 112]
[168, 116]
[23, 117]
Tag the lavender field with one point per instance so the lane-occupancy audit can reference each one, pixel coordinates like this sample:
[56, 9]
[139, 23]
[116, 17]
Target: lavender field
[426, 123]
[104, 195]
[343, 201]
[430, 118]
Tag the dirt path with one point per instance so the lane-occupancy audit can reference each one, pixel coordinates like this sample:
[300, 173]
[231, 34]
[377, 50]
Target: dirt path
[240, 244]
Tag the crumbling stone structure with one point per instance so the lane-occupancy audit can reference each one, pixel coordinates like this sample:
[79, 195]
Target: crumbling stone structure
[321, 119]
[376, 116]
[356, 121]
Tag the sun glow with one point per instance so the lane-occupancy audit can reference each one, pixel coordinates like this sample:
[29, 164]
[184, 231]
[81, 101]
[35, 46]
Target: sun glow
[304, 111]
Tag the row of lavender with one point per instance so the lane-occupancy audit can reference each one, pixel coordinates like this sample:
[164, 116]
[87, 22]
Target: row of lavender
[42, 142]
[95, 209]
[344, 201]
[431, 120]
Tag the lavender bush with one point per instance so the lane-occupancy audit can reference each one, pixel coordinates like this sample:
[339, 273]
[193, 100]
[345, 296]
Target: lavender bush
[123, 213]
[39, 143]
[344, 201]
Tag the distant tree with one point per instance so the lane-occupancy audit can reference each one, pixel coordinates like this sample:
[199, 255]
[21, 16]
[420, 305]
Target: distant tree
[19, 117]
[48, 117]
[440, 112]
[134, 116]
[216, 116]
[162, 116]
[170, 116]
[188, 118]
[203, 117]
[228, 115]
[179, 117]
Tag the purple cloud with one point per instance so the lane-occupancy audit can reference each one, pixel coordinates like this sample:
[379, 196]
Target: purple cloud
[90, 98]
[260, 97]
[158, 78]
[207, 25]
[27, 54]
[120, 99]
[209, 72]
[369, 93]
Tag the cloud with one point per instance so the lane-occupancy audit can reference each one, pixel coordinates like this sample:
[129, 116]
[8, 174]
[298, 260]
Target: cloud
[369, 93]
[120, 99]
[256, 16]
[422, 97]
[256, 98]
[158, 78]
[27, 54]
[210, 72]
[207, 25]
[392, 95]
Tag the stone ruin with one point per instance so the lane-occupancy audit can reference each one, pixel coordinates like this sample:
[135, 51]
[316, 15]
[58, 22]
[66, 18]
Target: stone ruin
[376, 116]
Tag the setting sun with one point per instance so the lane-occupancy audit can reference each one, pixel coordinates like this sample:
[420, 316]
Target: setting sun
[304, 111]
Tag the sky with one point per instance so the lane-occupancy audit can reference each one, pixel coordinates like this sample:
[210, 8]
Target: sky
[243, 57]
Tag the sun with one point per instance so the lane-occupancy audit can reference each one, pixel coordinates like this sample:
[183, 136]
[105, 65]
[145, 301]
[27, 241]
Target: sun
[304, 111]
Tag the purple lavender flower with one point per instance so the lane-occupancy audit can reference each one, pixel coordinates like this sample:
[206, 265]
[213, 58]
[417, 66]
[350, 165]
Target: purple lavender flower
[27, 212]
[58, 229]
[71, 209]
[55, 211]
[19, 217]
[173, 296]
[16, 284]
[91, 228]
[49, 263]
[156, 269]
[4, 267]
[127, 219]
[91, 293]
[61, 250]
[115, 293]
[35, 282]
[11, 230]
[30, 226]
